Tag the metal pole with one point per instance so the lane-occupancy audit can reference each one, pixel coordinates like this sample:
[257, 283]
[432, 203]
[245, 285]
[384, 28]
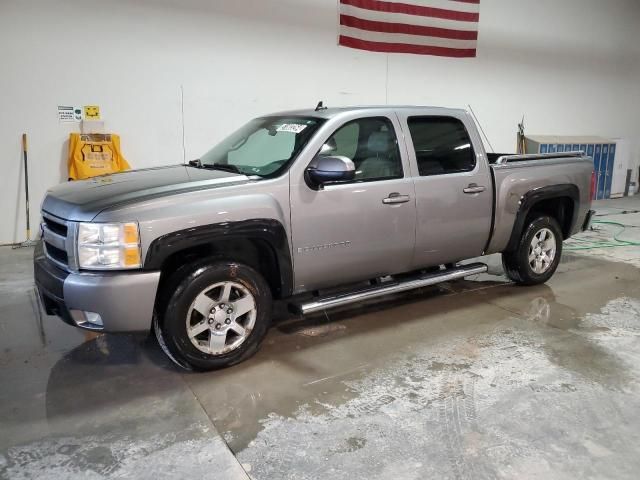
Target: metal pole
[26, 182]
[28, 242]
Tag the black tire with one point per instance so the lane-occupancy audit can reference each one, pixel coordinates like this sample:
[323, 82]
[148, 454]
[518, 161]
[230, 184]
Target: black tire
[516, 263]
[170, 325]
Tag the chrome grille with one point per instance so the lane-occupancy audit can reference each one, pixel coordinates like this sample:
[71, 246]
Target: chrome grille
[57, 238]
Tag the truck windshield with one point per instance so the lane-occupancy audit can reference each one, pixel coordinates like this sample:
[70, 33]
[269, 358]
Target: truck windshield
[264, 146]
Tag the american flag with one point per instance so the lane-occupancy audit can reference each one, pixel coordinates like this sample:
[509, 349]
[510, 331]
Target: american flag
[446, 28]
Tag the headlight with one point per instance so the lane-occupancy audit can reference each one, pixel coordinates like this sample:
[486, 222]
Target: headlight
[103, 246]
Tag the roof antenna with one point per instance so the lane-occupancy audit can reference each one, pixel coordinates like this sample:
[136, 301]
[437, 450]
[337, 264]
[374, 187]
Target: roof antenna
[320, 106]
[481, 129]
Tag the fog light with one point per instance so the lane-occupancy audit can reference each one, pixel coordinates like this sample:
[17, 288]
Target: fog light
[87, 319]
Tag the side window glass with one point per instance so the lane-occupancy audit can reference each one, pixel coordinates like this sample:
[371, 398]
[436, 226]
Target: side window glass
[371, 144]
[344, 142]
[442, 145]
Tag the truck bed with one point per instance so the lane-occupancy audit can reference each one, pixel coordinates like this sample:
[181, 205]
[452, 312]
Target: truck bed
[511, 183]
[514, 157]
[493, 157]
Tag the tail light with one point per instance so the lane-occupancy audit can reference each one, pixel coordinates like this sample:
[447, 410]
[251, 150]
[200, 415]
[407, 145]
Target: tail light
[593, 185]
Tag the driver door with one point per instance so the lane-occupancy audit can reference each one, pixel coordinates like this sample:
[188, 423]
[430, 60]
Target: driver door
[361, 229]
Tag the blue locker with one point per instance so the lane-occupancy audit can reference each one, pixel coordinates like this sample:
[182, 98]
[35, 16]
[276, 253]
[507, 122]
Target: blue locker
[552, 148]
[609, 174]
[583, 148]
[602, 177]
[543, 148]
[560, 148]
[590, 151]
[596, 166]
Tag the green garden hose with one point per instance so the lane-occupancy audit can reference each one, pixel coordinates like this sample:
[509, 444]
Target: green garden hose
[591, 244]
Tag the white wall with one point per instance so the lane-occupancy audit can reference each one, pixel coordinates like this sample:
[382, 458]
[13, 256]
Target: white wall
[570, 66]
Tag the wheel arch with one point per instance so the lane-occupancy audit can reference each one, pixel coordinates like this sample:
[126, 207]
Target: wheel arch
[560, 202]
[259, 243]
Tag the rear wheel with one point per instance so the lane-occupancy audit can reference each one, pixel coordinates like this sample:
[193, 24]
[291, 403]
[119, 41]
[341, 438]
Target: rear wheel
[537, 254]
[216, 316]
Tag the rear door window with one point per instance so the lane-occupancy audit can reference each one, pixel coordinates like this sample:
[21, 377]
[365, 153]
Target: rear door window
[442, 145]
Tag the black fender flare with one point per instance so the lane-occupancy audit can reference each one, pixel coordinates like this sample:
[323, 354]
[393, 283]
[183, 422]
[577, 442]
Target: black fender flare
[267, 230]
[532, 197]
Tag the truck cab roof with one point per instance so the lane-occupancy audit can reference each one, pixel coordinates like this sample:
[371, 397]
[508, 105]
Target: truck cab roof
[328, 113]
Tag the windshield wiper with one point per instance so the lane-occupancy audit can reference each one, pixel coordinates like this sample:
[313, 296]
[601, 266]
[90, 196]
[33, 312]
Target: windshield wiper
[222, 166]
[215, 166]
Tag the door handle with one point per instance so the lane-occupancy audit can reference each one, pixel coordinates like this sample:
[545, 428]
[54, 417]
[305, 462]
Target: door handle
[474, 188]
[395, 197]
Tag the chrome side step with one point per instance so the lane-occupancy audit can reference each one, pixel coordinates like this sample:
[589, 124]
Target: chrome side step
[339, 300]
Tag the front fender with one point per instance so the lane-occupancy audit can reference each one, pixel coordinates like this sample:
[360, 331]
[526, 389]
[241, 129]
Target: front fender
[267, 230]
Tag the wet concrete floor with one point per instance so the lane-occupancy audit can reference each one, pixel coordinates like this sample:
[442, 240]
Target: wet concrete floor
[469, 379]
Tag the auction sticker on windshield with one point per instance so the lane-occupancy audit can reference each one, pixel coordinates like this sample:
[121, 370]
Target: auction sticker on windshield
[291, 127]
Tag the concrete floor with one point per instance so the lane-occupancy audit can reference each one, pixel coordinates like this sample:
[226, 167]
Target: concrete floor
[470, 379]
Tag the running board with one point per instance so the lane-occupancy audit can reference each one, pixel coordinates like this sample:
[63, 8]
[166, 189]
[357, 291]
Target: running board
[339, 300]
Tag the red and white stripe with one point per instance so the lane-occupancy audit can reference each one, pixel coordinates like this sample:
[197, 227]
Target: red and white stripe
[447, 28]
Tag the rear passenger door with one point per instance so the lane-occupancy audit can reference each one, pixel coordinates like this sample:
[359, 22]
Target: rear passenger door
[454, 195]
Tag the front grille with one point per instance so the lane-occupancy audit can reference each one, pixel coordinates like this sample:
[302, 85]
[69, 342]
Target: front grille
[55, 232]
[57, 254]
[59, 228]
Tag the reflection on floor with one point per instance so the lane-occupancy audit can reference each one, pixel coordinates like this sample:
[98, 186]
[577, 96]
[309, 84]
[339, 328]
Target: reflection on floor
[470, 379]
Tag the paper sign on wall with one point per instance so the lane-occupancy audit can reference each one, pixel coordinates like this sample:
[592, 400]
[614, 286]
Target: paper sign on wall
[68, 113]
[92, 112]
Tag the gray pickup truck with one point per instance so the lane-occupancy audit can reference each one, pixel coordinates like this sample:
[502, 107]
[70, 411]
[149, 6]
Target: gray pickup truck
[317, 208]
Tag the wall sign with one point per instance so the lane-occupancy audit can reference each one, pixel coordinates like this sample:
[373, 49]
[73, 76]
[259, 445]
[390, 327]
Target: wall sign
[92, 112]
[68, 113]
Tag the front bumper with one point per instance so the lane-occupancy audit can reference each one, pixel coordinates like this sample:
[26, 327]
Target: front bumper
[123, 300]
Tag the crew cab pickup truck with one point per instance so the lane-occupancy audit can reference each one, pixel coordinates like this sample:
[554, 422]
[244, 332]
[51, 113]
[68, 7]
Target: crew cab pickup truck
[317, 208]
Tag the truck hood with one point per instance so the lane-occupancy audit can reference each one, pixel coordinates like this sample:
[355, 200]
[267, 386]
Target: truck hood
[84, 199]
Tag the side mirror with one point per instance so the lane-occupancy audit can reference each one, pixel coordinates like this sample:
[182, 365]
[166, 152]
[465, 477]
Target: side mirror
[325, 169]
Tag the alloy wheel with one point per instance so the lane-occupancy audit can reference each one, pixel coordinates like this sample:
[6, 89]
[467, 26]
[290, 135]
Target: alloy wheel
[221, 318]
[542, 251]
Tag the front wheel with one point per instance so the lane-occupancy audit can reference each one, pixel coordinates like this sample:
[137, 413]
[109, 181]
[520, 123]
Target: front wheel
[216, 316]
[538, 252]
